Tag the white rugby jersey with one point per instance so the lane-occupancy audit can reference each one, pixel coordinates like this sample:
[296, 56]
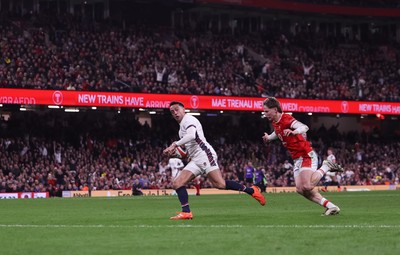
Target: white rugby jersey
[331, 158]
[175, 163]
[192, 137]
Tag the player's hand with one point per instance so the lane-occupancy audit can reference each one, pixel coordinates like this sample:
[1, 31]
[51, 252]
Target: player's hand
[170, 150]
[288, 132]
[265, 137]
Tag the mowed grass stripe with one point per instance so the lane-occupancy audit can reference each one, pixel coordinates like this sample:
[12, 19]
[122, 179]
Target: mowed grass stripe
[196, 226]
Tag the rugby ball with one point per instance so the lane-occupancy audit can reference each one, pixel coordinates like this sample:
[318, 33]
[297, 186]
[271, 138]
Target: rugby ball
[180, 152]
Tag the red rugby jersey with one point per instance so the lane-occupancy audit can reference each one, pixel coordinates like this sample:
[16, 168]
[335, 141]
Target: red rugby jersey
[297, 145]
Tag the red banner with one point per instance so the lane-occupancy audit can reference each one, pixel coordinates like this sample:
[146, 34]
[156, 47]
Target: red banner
[314, 8]
[157, 101]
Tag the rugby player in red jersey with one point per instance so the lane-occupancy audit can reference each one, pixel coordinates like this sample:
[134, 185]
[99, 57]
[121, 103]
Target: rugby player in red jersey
[292, 134]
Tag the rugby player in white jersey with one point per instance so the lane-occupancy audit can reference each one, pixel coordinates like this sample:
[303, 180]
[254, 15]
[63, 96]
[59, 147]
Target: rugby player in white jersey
[333, 176]
[203, 160]
[175, 164]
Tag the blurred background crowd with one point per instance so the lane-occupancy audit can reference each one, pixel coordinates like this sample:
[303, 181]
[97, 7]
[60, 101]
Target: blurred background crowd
[55, 152]
[64, 52]
[290, 57]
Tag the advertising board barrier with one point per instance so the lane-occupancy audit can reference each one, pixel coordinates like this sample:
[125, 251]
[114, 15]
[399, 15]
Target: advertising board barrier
[23, 195]
[211, 191]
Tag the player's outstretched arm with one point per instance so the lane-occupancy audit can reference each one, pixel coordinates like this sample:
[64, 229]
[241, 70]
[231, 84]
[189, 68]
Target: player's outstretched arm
[269, 137]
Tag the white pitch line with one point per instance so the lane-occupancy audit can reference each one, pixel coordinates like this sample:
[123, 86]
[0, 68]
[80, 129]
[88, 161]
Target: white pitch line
[195, 226]
[328, 226]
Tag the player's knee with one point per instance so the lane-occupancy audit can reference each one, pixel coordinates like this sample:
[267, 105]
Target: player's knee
[219, 185]
[314, 180]
[176, 185]
[304, 188]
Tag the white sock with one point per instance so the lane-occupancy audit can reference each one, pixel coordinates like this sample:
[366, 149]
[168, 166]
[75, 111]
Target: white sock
[326, 203]
[324, 169]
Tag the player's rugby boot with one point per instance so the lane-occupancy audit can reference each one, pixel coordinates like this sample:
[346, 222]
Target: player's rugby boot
[182, 216]
[257, 195]
[331, 211]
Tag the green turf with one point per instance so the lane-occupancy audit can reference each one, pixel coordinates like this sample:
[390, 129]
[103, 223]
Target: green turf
[224, 224]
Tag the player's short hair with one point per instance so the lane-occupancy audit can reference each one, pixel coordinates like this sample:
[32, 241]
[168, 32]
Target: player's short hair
[272, 102]
[176, 102]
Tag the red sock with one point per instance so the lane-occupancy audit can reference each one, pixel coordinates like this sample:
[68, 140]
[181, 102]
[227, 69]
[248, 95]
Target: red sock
[197, 186]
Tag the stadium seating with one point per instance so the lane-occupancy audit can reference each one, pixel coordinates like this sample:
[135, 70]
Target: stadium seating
[158, 60]
[114, 152]
[46, 152]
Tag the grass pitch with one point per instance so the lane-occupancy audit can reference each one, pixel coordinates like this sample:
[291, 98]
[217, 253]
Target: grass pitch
[369, 223]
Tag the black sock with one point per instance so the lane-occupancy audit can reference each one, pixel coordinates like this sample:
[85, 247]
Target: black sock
[232, 185]
[183, 198]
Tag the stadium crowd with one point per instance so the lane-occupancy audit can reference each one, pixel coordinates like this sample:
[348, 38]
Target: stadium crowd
[68, 53]
[57, 153]
[106, 151]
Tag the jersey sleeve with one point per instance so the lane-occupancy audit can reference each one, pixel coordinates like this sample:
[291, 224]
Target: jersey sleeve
[190, 135]
[272, 136]
[298, 127]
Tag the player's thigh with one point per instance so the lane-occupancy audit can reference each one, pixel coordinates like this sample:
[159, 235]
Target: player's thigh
[215, 177]
[303, 178]
[183, 178]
